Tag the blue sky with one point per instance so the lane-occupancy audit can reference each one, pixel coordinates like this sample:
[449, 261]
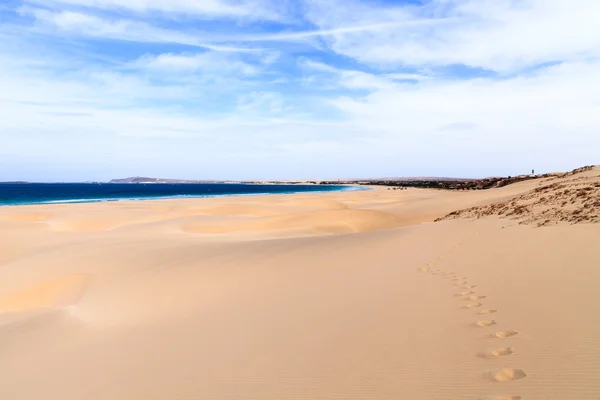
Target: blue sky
[264, 89]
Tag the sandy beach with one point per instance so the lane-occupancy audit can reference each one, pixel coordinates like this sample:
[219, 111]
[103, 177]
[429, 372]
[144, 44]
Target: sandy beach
[341, 295]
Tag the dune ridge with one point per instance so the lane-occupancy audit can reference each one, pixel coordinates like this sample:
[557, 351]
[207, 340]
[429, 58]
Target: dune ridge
[331, 221]
[55, 292]
[574, 199]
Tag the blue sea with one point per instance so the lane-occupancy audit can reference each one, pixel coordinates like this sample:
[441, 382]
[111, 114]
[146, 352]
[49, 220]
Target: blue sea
[44, 193]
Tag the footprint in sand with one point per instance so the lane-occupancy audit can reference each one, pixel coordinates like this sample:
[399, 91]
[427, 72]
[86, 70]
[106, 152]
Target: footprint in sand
[475, 297]
[487, 311]
[507, 375]
[503, 334]
[473, 305]
[468, 286]
[502, 352]
[485, 323]
[465, 293]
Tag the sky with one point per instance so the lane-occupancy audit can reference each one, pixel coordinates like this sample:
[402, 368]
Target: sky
[295, 89]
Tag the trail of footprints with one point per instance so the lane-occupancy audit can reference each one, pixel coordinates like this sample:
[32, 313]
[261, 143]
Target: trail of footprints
[473, 302]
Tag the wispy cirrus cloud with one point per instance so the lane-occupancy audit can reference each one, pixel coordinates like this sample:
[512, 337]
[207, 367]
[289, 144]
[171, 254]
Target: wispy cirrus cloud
[497, 35]
[252, 9]
[212, 62]
[83, 25]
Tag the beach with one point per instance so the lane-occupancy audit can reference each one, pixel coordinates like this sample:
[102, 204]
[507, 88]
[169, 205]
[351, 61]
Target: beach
[339, 295]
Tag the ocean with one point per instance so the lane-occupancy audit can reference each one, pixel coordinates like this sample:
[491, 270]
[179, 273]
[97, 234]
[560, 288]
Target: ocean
[44, 193]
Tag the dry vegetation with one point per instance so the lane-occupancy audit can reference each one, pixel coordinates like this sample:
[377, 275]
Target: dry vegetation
[573, 197]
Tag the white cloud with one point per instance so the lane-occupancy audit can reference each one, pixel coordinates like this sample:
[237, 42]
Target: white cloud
[546, 121]
[527, 109]
[261, 103]
[218, 64]
[350, 79]
[407, 77]
[88, 25]
[317, 66]
[255, 9]
[499, 35]
[341, 30]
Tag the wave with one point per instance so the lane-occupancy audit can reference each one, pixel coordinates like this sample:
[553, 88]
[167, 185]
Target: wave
[30, 194]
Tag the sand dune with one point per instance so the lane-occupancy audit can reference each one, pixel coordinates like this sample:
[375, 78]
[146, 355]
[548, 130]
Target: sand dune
[25, 217]
[355, 295]
[570, 198]
[315, 203]
[61, 291]
[323, 221]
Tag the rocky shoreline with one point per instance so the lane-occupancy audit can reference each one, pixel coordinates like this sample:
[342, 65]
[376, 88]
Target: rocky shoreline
[444, 184]
[454, 184]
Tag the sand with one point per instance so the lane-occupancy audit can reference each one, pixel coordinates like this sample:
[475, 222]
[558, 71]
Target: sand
[354, 295]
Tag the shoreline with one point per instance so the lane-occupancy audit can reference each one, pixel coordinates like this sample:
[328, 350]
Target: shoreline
[330, 189]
